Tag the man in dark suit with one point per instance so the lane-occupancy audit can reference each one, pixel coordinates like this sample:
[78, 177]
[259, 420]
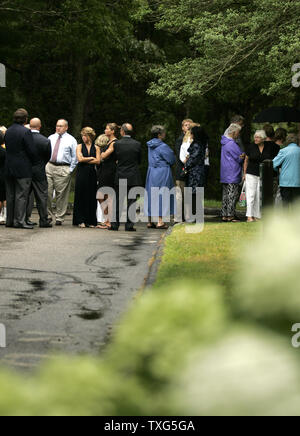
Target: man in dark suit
[128, 154]
[20, 157]
[39, 179]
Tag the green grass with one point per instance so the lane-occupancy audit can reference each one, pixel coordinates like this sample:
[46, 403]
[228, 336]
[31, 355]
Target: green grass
[212, 255]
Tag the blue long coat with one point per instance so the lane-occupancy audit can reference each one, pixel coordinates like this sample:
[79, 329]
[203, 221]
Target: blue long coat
[161, 159]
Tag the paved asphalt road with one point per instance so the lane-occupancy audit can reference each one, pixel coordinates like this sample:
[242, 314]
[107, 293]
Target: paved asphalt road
[62, 289]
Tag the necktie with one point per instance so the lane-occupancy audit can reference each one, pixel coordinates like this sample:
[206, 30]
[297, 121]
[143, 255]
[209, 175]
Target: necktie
[56, 150]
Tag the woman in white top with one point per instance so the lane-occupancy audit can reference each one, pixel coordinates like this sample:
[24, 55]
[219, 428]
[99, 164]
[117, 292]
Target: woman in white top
[187, 141]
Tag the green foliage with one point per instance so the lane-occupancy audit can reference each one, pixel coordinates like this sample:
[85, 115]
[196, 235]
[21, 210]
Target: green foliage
[180, 349]
[178, 318]
[247, 372]
[267, 286]
[227, 38]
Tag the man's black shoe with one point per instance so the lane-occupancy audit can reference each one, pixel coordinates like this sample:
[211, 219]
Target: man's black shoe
[113, 229]
[46, 226]
[30, 223]
[130, 230]
[24, 227]
[58, 223]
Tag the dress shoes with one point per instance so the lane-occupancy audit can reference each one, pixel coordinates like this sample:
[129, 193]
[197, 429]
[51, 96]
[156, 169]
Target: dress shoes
[113, 229]
[24, 227]
[130, 230]
[58, 223]
[30, 223]
[46, 226]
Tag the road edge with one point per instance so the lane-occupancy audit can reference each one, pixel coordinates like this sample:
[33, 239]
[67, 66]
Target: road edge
[153, 264]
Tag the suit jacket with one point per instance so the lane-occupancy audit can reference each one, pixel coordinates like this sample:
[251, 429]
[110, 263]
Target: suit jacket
[43, 150]
[128, 155]
[20, 153]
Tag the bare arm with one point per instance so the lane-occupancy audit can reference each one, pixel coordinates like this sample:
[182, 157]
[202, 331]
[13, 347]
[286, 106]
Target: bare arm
[97, 160]
[108, 152]
[80, 157]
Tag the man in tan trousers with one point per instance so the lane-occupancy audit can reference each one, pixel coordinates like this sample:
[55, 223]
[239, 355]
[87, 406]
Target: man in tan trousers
[59, 170]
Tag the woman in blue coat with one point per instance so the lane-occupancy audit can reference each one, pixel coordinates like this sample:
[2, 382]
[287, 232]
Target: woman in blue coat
[158, 201]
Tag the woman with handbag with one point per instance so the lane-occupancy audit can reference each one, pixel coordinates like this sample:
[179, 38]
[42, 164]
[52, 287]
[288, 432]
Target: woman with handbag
[232, 159]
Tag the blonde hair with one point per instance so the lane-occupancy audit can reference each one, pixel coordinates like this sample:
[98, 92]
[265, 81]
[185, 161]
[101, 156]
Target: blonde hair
[187, 136]
[187, 121]
[88, 131]
[3, 129]
[102, 141]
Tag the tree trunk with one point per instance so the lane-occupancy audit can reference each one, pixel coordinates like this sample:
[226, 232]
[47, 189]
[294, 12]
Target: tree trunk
[81, 94]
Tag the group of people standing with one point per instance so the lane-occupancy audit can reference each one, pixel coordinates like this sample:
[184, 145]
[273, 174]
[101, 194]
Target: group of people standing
[191, 154]
[36, 167]
[240, 166]
[33, 165]
[102, 164]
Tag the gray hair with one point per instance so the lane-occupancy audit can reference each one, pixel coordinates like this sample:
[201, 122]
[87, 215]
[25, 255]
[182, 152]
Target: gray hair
[232, 129]
[65, 121]
[262, 134]
[236, 119]
[292, 138]
[127, 129]
[156, 131]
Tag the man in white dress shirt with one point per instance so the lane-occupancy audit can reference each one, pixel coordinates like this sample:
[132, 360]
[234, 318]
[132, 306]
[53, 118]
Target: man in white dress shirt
[59, 170]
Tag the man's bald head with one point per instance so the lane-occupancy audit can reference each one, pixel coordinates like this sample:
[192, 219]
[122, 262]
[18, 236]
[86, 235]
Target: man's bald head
[35, 124]
[127, 130]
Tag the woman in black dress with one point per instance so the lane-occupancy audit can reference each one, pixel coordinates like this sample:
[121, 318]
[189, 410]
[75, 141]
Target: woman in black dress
[85, 204]
[2, 180]
[107, 174]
